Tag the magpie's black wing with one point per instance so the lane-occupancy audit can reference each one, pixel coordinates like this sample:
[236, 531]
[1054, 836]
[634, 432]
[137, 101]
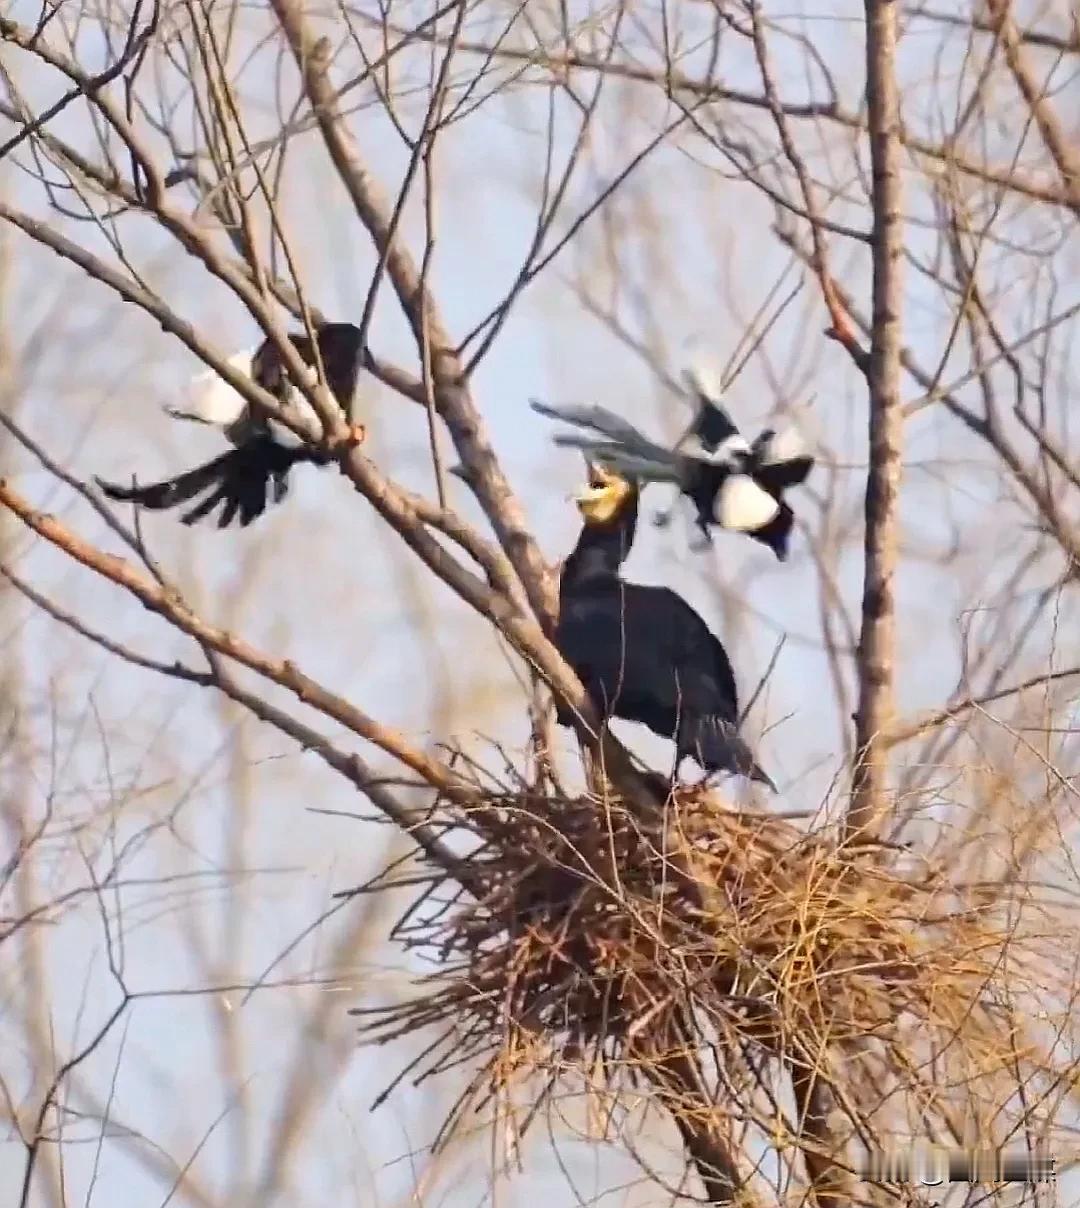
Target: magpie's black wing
[712, 425]
[780, 475]
[777, 533]
[157, 496]
[780, 461]
[237, 480]
[341, 352]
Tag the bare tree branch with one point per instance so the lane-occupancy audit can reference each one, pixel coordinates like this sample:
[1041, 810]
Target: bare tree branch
[877, 638]
[452, 398]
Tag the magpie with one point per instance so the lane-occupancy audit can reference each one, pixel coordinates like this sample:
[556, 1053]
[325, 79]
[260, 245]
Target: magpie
[264, 451]
[733, 484]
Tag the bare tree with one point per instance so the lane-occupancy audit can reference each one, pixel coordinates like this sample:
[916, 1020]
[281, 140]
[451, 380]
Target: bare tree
[511, 200]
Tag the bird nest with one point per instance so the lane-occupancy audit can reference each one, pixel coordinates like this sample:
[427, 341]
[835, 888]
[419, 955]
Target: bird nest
[584, 942]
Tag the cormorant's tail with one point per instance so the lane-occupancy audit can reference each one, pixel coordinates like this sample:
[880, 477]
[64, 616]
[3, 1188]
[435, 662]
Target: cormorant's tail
[238, 480]
[718, 746]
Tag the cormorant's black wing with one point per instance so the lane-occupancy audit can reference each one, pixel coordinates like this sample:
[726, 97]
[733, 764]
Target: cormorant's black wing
[676, 668]
[708, 726]
[702, 660]
[666, 652]
[715, 742]
[645, 655]
[608, 634]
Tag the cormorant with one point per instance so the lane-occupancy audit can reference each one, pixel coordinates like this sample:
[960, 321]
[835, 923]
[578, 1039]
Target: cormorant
[732, 484]
[265, 451]
[642, 653]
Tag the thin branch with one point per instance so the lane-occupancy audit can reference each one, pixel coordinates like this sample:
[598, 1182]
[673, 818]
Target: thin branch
[967, 21]
[1058, 143]
[175, 670]
[673, 82]
[166, 602]
[942, 717]
[452, 399]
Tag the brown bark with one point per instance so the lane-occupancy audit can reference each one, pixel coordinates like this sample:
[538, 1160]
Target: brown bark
[877, 640]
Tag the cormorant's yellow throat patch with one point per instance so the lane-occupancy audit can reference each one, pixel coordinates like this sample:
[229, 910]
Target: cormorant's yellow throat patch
[602, 500]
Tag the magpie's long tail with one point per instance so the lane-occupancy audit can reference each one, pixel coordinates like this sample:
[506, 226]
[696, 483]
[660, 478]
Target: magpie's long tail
[588, 415]
[619, 447]
[660, 466]
[623, 439]
[717, 745]
[238, 480]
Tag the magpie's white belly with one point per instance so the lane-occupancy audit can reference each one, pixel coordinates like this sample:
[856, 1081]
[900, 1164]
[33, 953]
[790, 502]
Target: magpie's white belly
[742, 505]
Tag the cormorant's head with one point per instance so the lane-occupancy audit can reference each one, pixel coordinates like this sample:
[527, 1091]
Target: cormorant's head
[606, 496]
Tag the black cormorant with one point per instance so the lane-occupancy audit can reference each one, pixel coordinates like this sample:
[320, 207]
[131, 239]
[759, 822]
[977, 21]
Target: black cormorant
[264, 451]
[731, 483]
[642, 652]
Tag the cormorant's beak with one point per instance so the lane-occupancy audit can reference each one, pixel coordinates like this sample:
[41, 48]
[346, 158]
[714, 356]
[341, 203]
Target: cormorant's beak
[603, 497]
[597, 488]
[588, 495]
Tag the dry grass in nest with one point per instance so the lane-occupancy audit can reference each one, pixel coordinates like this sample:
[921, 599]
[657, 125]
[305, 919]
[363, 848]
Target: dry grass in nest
[587, 944]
